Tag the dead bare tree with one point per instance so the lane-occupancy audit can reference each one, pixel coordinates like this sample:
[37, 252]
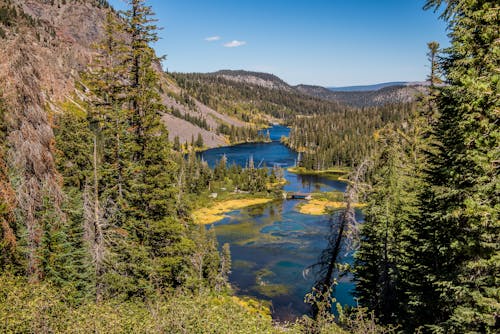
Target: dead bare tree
[94, 224]
[343, 236]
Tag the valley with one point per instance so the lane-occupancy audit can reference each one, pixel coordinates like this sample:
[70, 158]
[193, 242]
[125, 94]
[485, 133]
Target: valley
[272, 243]
[134, 199]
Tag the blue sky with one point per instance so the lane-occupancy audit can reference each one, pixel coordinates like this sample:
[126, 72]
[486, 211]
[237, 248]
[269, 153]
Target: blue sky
[321, 42]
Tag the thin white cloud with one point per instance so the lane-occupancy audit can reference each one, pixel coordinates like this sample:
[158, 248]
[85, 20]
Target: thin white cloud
[234, 44]
[212, 38]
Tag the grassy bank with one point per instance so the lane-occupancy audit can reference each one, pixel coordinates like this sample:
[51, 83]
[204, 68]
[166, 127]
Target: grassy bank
[338, 173]
[320, 207]
[216, 210]
[322, 203]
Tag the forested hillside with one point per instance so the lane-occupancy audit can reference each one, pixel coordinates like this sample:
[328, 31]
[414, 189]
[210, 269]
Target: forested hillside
[240, 94]
[327, 132]
[343, 139]
[372, 98]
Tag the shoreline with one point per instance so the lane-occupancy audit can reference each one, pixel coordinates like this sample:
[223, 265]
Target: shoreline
[320, 207]
[217, 210]
[337, 173]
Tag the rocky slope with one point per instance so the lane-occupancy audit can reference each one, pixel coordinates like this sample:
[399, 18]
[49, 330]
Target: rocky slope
[42, 52]
[184, 129]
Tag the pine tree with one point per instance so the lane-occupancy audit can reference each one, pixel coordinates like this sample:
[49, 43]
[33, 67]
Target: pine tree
[158, 242]
[224, 268]
[8, 239]
[383, 260]
[177, 144]
[458, 236]
[432, 55]
[107, 123]
[199, 141]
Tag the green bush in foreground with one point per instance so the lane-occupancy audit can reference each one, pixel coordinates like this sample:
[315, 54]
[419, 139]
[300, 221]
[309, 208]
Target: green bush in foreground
[41, 308]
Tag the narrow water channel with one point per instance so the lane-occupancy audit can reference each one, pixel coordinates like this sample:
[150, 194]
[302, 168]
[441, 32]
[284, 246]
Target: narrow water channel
[271, 244]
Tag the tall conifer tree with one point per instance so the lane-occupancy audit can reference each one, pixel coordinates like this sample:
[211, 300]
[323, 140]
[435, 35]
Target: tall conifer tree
[160, 243]
[458, 243]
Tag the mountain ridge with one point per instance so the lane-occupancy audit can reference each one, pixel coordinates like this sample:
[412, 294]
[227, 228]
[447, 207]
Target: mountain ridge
[370, 87]
[372, 95]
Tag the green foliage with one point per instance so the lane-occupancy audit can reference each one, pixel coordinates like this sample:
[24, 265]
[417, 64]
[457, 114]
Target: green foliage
[241, 134]
[322, 302]
[199, 141]
[360, 320]
[460, 229]
[74, 144]
[127, 214]
[431, 239]
[342, 138]
[383, 261]
[196, 177]
[42, 308]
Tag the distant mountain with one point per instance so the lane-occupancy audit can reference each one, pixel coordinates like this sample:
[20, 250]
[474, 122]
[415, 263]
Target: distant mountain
[265, 80]
[251, 96]
[389, 94]
[368, 87]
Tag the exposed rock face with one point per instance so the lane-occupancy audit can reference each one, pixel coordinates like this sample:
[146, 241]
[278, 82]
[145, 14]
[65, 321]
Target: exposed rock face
[57, 44]
[43, 49]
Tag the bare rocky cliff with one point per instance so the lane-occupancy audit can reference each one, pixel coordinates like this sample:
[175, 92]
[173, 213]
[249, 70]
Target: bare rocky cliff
[41, 53]
[54, 39]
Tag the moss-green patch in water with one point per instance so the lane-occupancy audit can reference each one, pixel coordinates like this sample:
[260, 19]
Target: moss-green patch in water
[245, 227]
[242, 264]
[338, 173]
[264, 272]
[273, 290]
[249, 229]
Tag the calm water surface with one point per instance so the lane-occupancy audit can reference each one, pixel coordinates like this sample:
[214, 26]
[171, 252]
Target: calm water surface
[272, 244]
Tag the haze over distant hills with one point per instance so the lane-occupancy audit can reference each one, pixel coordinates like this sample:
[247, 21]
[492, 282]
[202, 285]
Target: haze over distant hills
[365, 88]
[378, 86]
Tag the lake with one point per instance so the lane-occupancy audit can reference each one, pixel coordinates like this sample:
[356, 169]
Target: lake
[272, 244]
